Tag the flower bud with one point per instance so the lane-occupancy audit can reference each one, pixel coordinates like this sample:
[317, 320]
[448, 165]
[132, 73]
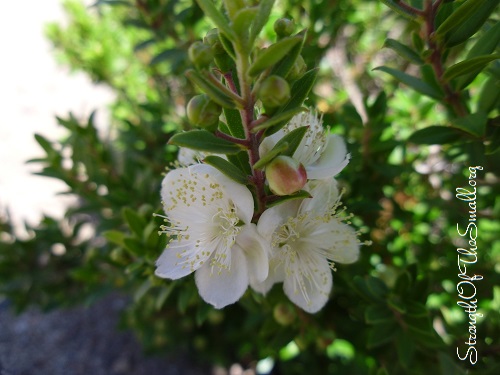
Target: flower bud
[284, 314]
[284, 27]
[274, 91]
[200, 54]
[298, 69]
[203, 112]
[212, 39]
[285, 175]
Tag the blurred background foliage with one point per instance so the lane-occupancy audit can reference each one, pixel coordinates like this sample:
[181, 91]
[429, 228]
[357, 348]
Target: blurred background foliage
[395, 311]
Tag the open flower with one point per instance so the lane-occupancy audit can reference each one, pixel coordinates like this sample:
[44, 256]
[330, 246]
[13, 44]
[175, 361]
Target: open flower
[323, 155]
[209, 222]
[307, 236]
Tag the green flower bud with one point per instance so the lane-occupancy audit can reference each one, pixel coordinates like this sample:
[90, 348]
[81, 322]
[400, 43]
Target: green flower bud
[202, 112]
[298, 69]
[285, 175]
[284, 27]
[200, 54]
[284, 314]
[212, 39]
[274, 92]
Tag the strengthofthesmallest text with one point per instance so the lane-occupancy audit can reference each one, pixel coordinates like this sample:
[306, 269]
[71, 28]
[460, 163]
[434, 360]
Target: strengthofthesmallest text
[466, 286]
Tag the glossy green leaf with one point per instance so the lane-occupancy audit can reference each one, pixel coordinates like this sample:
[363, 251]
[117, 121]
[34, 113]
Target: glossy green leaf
[217, 17]
[399, 9]
[202, 140]
[268, 157]
[242, 161]
[165, 292]
[301, 194]
[459, 17]
[111, 2]
[381, 334]
[474, 124]
[228, 46]
[279, 118]
[265, 7]
[471, 67]
[406, 349]
[293, 140]
[435, 135]
[115, 237]
[489, 97]
[227, 168]
[234, 123]
[168, 55]
[241, 24]
[283, 67]
[473, 22]
[379, 313]
[135, 222]
[45, 144]
[300, 90]
[404, 51]
[414, 82]
[274, 53]
[214, 92]
[232, 7]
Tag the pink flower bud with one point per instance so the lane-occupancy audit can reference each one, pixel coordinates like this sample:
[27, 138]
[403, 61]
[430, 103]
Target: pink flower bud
[285, 175]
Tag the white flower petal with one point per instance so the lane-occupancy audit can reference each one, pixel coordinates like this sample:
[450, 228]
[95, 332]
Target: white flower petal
[309, 285]
[325, 194]
[331, 162]
[275, 216]
[221, 287]
[256, 251]
[174, 263]
[276, 275]
[342, 243]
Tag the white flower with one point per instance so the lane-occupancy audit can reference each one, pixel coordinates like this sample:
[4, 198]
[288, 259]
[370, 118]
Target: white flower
[209, 219]
[323, 155]
[307, 236]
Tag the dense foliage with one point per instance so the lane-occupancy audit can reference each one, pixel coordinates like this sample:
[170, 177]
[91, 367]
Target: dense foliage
[412, 86]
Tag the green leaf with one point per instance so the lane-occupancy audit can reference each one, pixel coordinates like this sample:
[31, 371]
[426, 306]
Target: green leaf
[241, 160]
[142, 290]
[471, 67]
[165, 292]
[435, 135]
[293, 140]
[473, 22]
[379, 313]
[283, 67]
[279, 118]
[134, 246]
[265, 7]
[234, 122]
[416, 309]
[489, 98]
[45, 144]
[487, 43]
[274, 53]
[474, 124]
[111, 2]
[300, 90]
[404, 51]
[135, 222]
[459, 16]
[115, 237]
[242, 22]
[377, 288]
[415, 83]
[228, 46]
[268, 157]
[217, 17]
[169, 54]
[202, 140]
[301, 194]
[214, 92]
[227, 168]
[406, 349]
[399, 9]
[381, 334]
